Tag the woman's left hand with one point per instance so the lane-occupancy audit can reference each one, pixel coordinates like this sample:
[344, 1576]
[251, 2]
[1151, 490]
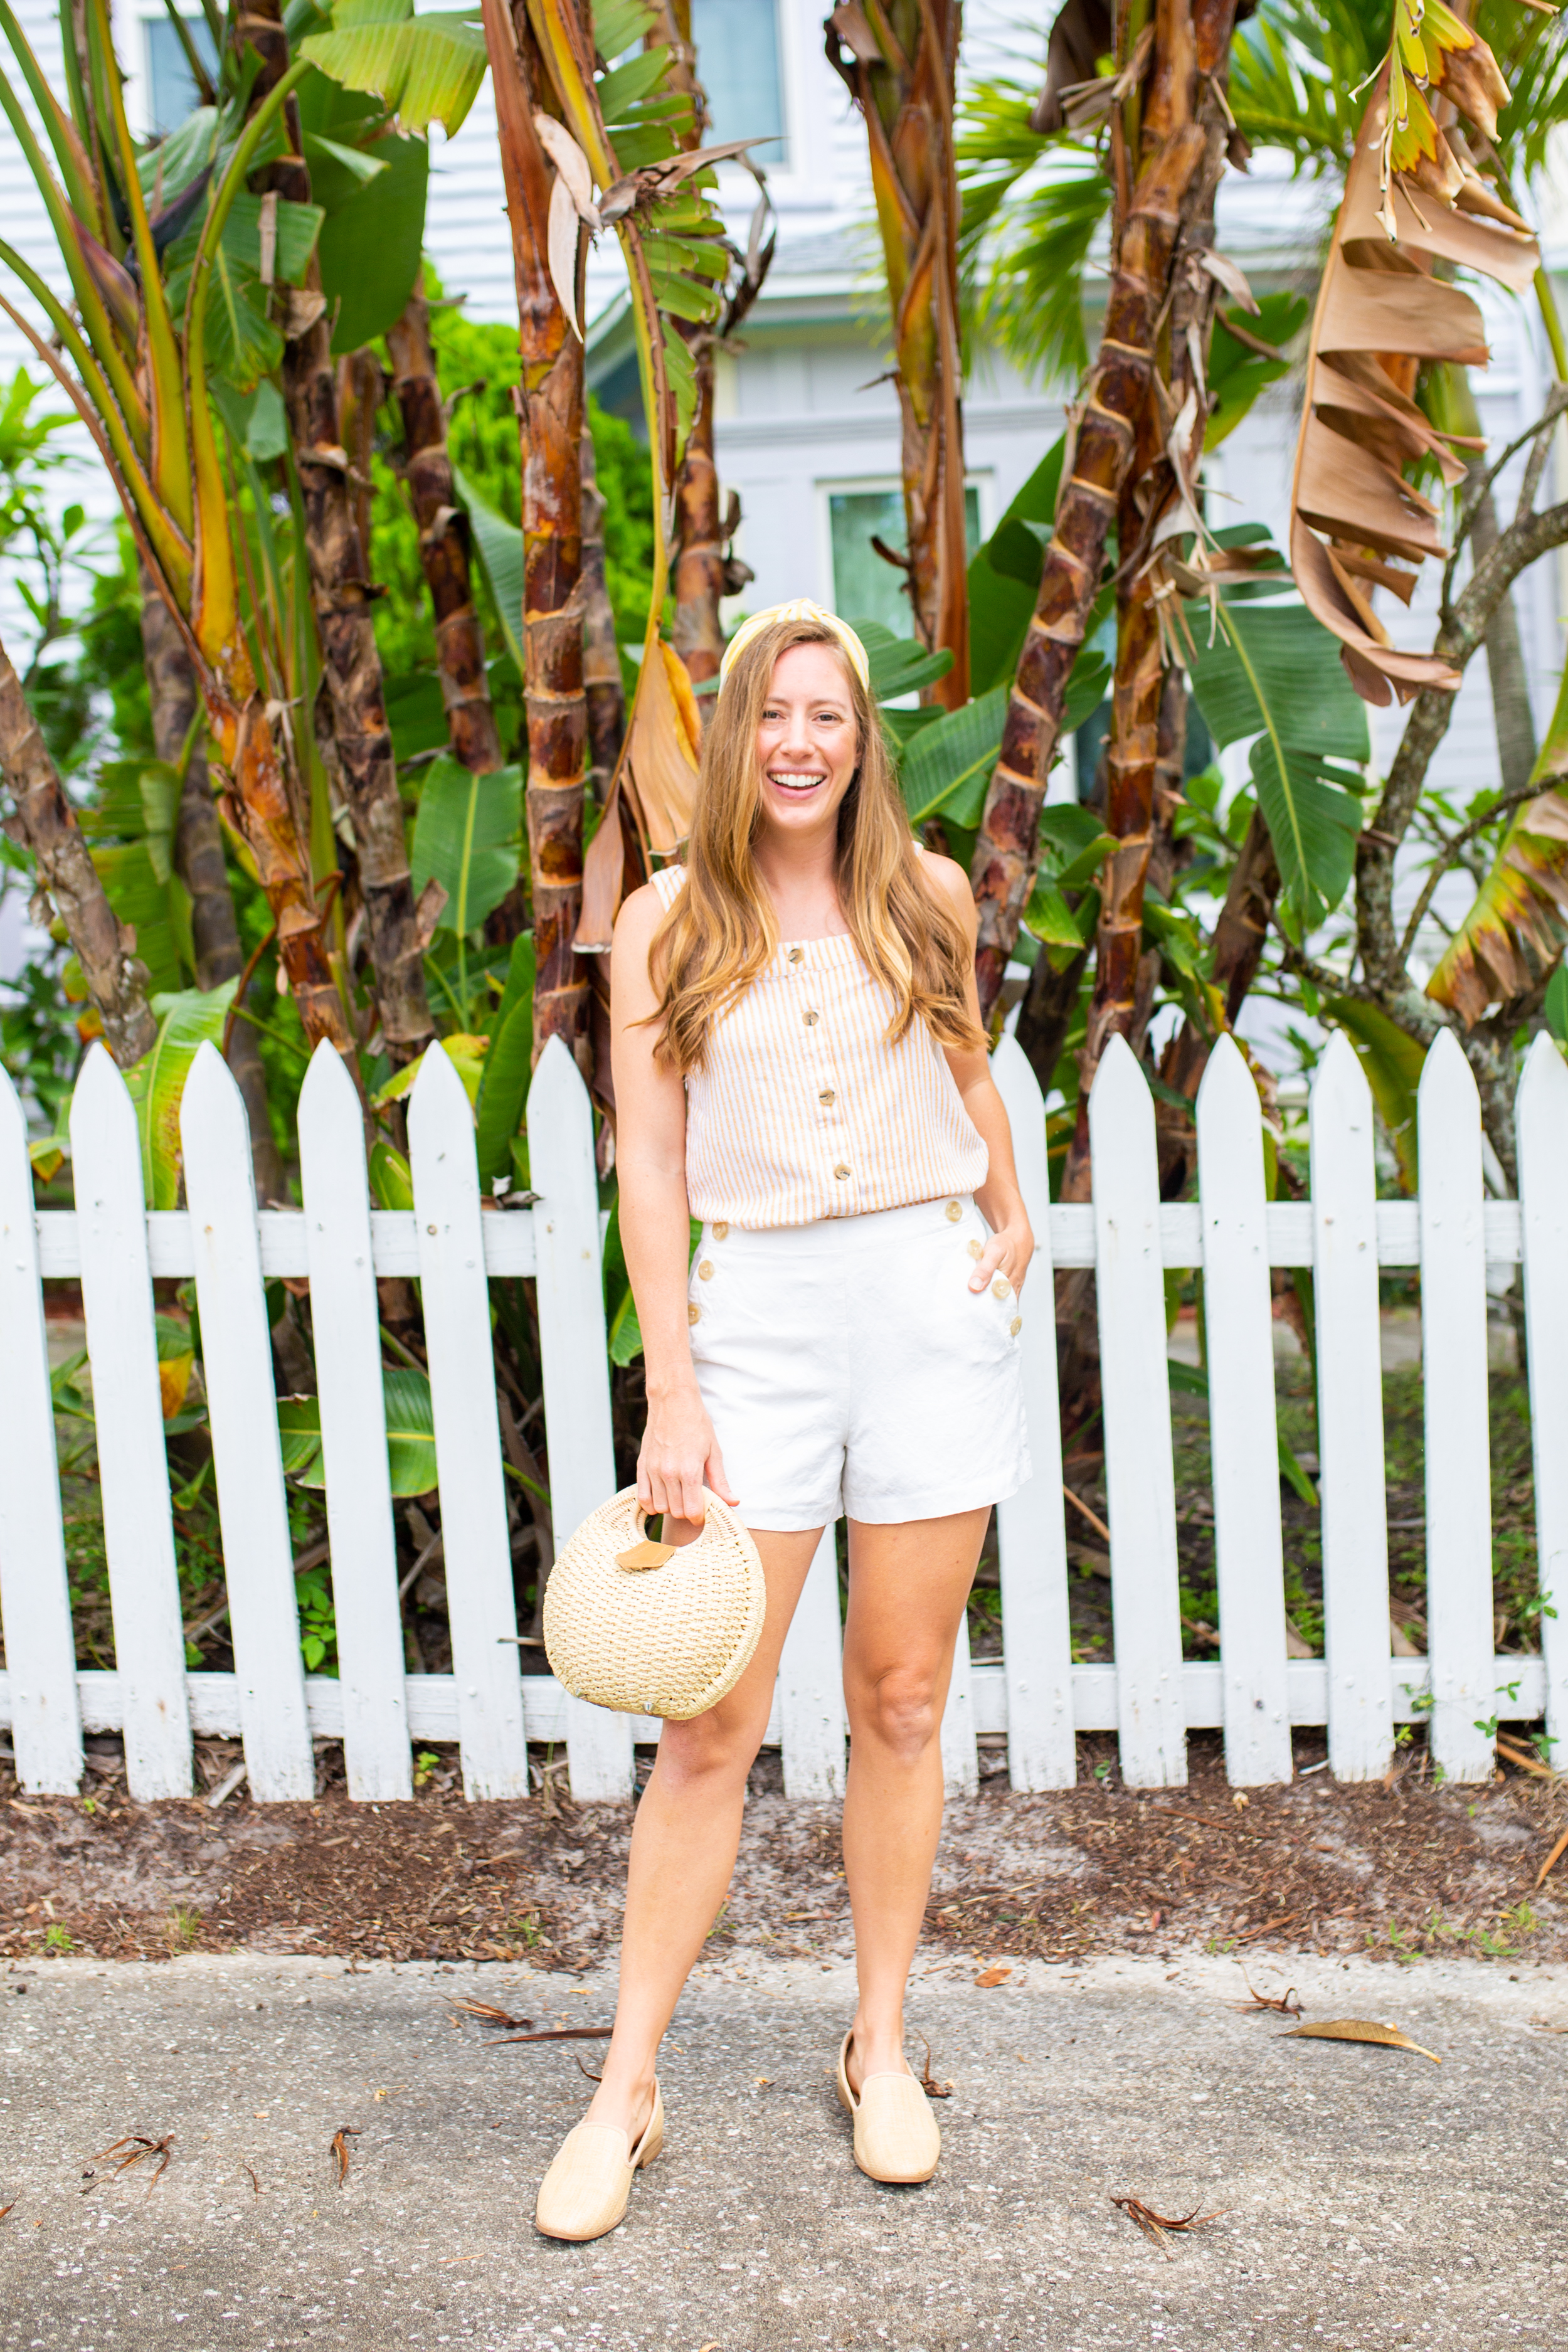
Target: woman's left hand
[1009, 1251]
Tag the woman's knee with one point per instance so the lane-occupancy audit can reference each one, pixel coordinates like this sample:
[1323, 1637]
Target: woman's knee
[714, 1748]
[899, 1709]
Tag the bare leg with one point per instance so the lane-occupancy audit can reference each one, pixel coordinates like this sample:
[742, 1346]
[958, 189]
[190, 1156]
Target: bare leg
[684, 1842]
[908, 1585]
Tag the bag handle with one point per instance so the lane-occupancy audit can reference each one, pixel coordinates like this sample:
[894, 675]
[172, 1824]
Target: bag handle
[647, 1554]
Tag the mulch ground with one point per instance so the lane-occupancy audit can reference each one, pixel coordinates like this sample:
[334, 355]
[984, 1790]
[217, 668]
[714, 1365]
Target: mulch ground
[1397, 1867]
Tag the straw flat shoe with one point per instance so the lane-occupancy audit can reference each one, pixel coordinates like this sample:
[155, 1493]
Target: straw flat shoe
[584, 2192]
[896, 2134]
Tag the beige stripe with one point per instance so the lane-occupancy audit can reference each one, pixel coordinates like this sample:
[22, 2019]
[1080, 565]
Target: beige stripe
[761, 1146]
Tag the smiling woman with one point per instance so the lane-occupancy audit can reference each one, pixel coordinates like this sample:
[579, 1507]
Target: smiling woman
[799, 1065]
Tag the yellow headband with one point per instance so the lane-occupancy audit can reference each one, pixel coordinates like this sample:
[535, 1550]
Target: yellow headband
[800, 608]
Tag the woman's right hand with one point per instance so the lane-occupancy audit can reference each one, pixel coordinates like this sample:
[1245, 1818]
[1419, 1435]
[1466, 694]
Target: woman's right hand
[680, 1456]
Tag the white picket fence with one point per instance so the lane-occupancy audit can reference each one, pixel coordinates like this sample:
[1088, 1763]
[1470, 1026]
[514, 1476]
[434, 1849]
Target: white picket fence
[1150, 1698]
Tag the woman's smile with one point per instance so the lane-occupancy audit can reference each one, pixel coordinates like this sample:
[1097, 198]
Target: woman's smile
[807, 740]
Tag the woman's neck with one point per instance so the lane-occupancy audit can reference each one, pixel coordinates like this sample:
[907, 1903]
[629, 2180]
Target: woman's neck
[800, 877]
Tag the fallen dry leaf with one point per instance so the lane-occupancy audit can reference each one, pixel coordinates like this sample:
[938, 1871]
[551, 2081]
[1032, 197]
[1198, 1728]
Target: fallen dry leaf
[138, 2146]
[1360, 2029]
[1250, 1935]
[559, 2033]
[1282, 2002]
[993, 1976]
[1524, 1759]
[339, 2149]
[1159, 2226]
[487, 2014]
[932, 2089]
[1558, 1851]
[7, 2209]
[254, 2182]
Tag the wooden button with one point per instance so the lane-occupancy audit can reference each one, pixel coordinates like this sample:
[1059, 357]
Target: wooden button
[1015, 1325]
[719, 1232]
[841, 1170]
[1000, 1287]
[705, 1271]
[826, 1097]
[811, 1020]
[798, 955]
[953, 1213]
[693, 1312]
[976, 1249]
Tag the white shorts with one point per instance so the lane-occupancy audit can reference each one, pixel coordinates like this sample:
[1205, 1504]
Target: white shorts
[849, 1368]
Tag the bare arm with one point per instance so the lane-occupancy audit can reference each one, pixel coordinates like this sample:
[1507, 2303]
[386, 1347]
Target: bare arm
[679, 1453]
[1012, 1243]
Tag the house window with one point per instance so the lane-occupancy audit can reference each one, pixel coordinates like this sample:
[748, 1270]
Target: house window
[866, 586]
[737, 44]
[171, 89]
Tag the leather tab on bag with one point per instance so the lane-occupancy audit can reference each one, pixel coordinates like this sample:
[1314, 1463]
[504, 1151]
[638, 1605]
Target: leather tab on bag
[646, 1554]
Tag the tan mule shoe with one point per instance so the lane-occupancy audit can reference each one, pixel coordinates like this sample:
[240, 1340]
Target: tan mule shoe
[896, 2134]
[584, 2192]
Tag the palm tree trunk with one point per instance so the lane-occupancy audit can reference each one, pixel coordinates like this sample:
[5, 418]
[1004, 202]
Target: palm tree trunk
[550, 427]
[602, 684]
[362, 387]
[901, 76]
[351, 663]
[45, 824]
[1191, 49]
[200, 863]
[697, 577]
[444, 549]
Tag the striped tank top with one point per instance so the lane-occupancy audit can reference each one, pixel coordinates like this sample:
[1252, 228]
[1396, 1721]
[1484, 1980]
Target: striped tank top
[802, 1108]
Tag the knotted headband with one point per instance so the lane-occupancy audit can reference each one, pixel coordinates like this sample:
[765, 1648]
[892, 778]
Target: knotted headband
[800, 608]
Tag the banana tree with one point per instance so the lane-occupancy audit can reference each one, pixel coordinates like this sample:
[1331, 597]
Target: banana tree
[162, 446]
[898, 59]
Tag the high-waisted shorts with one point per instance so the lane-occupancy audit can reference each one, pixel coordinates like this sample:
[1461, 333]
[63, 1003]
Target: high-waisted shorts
[847, 1366]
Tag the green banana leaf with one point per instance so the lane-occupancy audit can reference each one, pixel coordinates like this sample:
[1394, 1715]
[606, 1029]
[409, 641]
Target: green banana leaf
[1273, 672]
[426, 68]
[509, 1064]
[410, 1433]
[948, 766]
[391, 1178]
[898, 665]
[1004, 576]
[1393, 1063]
[466, 838]
[499, 546]
[371, 244]
[186, 1020]
[1237, 373]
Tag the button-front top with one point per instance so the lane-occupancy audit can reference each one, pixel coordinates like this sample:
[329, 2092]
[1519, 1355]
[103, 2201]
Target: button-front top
[803, 1110]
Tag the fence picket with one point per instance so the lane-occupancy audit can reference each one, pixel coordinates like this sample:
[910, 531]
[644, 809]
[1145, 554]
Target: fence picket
[345, 1325]
[1140, 1476]
[128, 1413]
[810, 1685]
[1542, 1116]
[35, 1591]
[480, 1606]
[577, 1384]
[1458, 1448]
[236, 1365]
[1350, 1417]
[960, 1761]
[1242, 1427]
[1037, 1633]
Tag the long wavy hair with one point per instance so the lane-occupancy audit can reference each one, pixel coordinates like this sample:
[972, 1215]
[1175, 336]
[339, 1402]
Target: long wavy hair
[721, 932]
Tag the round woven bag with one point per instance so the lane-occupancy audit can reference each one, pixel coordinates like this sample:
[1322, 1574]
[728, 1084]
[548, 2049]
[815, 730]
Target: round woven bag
[654, 1628]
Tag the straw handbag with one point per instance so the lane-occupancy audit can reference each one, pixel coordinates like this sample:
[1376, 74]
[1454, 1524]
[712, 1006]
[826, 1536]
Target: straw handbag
[654, 1628]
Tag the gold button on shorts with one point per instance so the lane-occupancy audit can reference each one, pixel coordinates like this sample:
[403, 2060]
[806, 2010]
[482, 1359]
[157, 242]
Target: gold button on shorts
[953, 1213]
[1000, 1287]
[705, 1271]
[719, 1232]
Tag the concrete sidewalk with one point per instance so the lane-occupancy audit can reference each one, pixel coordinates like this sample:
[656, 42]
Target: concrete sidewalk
[1371, 2199]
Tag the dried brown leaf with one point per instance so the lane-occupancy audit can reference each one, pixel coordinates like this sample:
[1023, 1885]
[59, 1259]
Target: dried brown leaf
[7, 2209]
[559, 2033]
[1360, 2029]
[1250, 1935]
[1558, 1851]
[932, 2089]
[1158, 2227]
[993, 1976]
[488, 2014]
[339, 2149]
[135, 2145]
[1282, 2003]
